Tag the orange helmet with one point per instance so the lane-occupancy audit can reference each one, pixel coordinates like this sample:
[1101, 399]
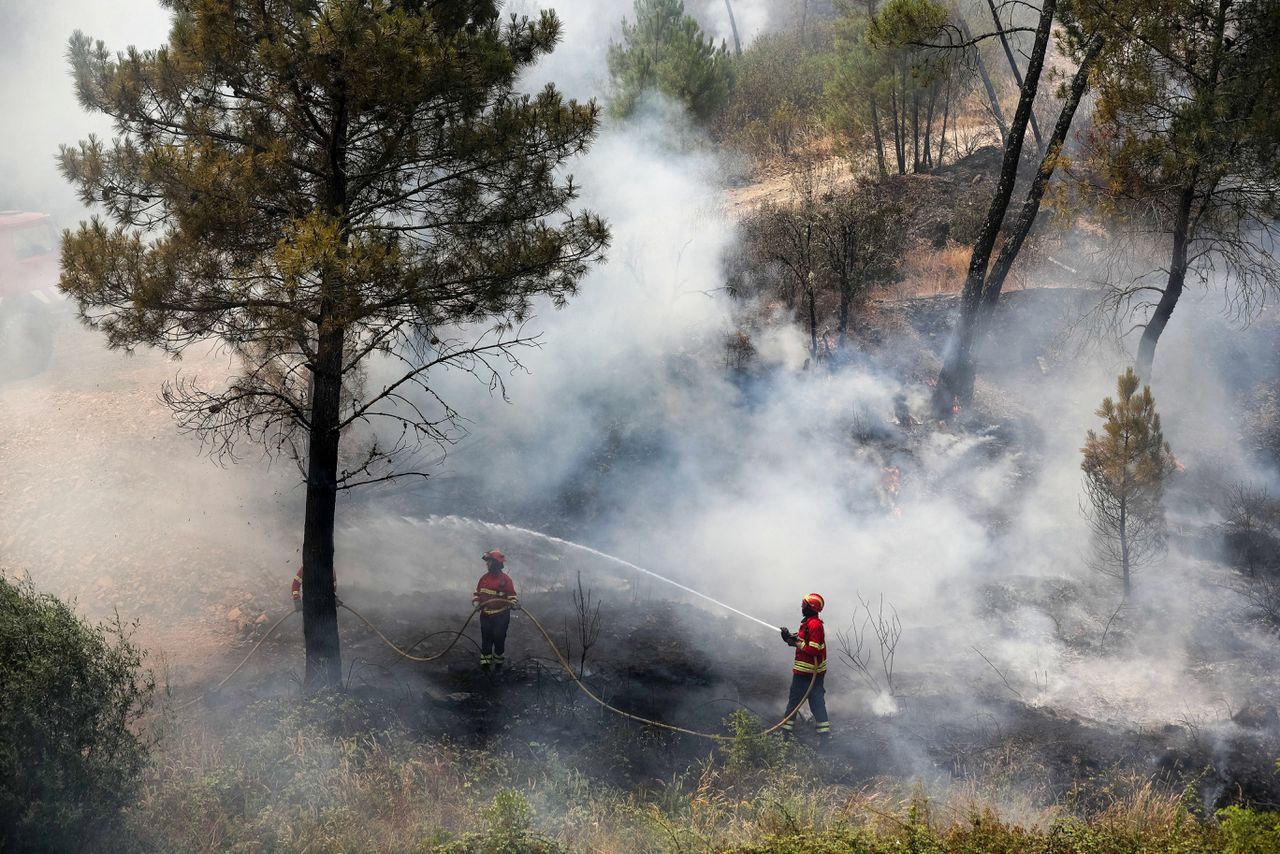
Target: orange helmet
[495, 555]
[814, 601]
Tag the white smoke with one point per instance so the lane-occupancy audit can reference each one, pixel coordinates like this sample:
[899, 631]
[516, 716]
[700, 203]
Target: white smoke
[756, 489]
[36, 96]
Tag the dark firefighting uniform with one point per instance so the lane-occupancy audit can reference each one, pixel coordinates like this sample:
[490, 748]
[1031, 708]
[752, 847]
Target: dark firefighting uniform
[496, 592]
[811, 658]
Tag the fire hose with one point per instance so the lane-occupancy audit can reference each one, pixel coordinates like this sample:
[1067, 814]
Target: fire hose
[568, 669]
[216, 688]
[458, 635]
[564, 664]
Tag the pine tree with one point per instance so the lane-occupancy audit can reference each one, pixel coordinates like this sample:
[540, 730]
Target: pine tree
[319, 185]
[1124, 472]
[1186, 146]
[664, 50]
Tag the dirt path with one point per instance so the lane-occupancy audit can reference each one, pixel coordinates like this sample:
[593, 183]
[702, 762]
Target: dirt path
[778, 185]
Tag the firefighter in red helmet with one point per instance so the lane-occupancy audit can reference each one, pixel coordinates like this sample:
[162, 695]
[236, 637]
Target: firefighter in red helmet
[496, 596]
[810, 665]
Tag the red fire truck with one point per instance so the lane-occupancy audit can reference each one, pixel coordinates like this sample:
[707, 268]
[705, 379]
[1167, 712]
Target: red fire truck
[29, 297]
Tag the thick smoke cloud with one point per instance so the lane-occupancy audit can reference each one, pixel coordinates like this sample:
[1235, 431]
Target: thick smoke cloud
[760, 489]
[103, 502]
[36, 96]
[628, 431]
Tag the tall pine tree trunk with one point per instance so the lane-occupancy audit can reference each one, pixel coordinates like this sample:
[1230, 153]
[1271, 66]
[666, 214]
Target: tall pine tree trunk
[319, 602]
[879, 140]
[955, 381]
[915, 131]
[927, 144]
[875, 114]
[1182, 224]
[733, 27]
[1017, 233]
[1124, 548]
[992, 99]
[1173, 287]
[946, 113]
[897, 131]
[902, 131]
[319, 599]
[1013, 66]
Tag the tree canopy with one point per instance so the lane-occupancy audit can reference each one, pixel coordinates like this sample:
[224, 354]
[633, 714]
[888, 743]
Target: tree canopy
[882, 68]
[1187, 141]
[319, 185]
[664, 50]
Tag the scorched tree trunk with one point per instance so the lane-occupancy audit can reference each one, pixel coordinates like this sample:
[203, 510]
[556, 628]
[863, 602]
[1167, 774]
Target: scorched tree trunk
[1173, 288]
[319, 601]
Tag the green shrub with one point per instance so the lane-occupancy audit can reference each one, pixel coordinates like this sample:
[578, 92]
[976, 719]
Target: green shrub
[508, 830]
[70, 694]
[777, 93]
[1246, 830]
[747, 750]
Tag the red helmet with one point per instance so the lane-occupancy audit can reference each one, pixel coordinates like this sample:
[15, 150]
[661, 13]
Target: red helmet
[814, 601]
[495, 555]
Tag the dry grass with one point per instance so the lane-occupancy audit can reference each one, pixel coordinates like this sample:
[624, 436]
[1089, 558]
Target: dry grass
[333, 776]
[928, 272]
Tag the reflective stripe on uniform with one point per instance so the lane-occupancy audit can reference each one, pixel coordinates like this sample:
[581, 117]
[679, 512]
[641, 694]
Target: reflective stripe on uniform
[807, 667]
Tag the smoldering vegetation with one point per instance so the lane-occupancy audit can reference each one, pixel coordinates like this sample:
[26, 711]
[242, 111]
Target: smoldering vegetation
[678, 415]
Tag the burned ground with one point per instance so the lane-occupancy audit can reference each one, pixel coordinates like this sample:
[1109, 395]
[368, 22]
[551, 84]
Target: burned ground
[679, 664]
[672, 660]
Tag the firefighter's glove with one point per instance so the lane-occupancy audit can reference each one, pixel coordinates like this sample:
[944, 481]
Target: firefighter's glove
[297, 604]
[787, 638]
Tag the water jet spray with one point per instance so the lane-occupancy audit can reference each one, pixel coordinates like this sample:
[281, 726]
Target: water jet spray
[463, 520]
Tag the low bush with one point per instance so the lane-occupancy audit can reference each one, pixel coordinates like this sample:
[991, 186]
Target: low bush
[507, 829]
[71, 694]
[1247, 830]
[748, 750]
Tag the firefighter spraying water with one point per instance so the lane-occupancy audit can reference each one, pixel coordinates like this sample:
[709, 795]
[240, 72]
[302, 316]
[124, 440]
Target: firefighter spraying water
[496, 597]
[809, 672]
[463, 520]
